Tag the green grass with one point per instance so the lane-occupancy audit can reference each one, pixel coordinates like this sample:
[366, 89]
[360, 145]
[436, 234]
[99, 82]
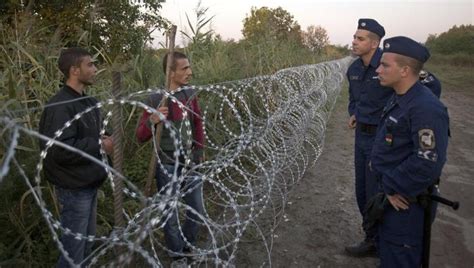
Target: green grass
[452, 75]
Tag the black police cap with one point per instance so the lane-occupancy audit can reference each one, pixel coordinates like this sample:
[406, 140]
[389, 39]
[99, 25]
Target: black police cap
[408, 47]
[371, 25]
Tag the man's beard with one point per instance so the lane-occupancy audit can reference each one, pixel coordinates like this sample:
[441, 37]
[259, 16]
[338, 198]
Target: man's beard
[86, 82]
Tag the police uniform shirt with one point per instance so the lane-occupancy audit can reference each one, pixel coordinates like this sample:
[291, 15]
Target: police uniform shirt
[367, 97]
[430, 81]
[411, 142]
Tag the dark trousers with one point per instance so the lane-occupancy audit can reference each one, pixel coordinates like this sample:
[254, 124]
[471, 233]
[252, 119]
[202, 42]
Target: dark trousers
[365, 180]
[399, 255]
[78, 214]
[190, 189]
[401, 236]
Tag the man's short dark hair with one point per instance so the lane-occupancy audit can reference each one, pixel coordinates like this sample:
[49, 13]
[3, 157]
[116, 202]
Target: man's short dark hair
[415, 65]
[374, 36]
[71, 57]
[176, 56]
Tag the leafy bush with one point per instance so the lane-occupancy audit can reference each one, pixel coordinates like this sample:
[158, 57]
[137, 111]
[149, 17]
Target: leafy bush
[457, 40]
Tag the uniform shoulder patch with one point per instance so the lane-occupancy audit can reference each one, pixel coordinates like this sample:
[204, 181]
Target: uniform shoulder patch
[426, 139]
[428, 155]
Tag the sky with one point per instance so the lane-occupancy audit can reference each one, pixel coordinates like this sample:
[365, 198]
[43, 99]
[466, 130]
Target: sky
[413, 18]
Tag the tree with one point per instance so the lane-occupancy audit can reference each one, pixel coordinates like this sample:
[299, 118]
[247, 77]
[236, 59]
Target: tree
[458, 39]
[121, 28]
[315, 38]
[267, 23]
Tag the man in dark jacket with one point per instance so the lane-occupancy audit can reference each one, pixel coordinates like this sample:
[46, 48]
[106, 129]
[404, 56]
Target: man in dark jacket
[409, 151]
[75, 177]
[366, 101]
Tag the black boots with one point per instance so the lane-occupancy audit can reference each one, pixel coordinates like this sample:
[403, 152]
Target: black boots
[365, 248]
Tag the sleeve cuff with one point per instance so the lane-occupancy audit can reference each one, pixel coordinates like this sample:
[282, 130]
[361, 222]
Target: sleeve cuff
[149, 124]
[386, 189]
[198, 155]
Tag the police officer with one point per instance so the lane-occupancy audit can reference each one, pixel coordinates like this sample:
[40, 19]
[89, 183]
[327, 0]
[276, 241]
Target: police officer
[430, 81]
[409, 150]
[366, 101]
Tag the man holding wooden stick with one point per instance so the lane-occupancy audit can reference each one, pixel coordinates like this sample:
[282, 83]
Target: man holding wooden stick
[177, 154]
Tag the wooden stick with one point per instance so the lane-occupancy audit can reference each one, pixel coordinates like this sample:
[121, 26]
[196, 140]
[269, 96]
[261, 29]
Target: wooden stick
[118, 149]
[163, 103]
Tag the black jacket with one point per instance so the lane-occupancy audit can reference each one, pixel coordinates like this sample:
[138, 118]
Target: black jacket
[63, 167]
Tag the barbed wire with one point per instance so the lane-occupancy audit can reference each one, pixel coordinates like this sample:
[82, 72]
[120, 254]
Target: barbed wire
[261, 135]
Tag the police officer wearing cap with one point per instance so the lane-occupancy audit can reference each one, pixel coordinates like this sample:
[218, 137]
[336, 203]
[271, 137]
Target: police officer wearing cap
[409, 151]
[366, 101]
[430, 81]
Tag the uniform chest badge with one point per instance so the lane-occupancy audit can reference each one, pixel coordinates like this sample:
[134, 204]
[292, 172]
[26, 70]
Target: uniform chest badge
[389, 139]
[354, 77]
[426, 139]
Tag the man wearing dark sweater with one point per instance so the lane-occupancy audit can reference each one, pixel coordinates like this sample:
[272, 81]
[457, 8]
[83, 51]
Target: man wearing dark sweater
[75, 177]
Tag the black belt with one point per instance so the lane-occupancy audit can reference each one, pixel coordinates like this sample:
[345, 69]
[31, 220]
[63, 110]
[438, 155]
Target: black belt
[366, 128]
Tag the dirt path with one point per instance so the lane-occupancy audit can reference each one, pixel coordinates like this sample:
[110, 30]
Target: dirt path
[322, 216]
[453, 231]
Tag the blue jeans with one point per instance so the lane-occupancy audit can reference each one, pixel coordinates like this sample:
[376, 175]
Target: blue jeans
[365, 181]
[192, 186]
[78, 213]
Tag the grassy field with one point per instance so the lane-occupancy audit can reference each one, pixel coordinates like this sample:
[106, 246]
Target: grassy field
[453, 76]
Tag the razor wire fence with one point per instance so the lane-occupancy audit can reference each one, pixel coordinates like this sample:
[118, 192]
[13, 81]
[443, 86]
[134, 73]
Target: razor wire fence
[261, 135]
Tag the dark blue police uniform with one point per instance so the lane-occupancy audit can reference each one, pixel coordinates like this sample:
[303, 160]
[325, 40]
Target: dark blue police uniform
[430, 81]
[367, 99]
[408, 154]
